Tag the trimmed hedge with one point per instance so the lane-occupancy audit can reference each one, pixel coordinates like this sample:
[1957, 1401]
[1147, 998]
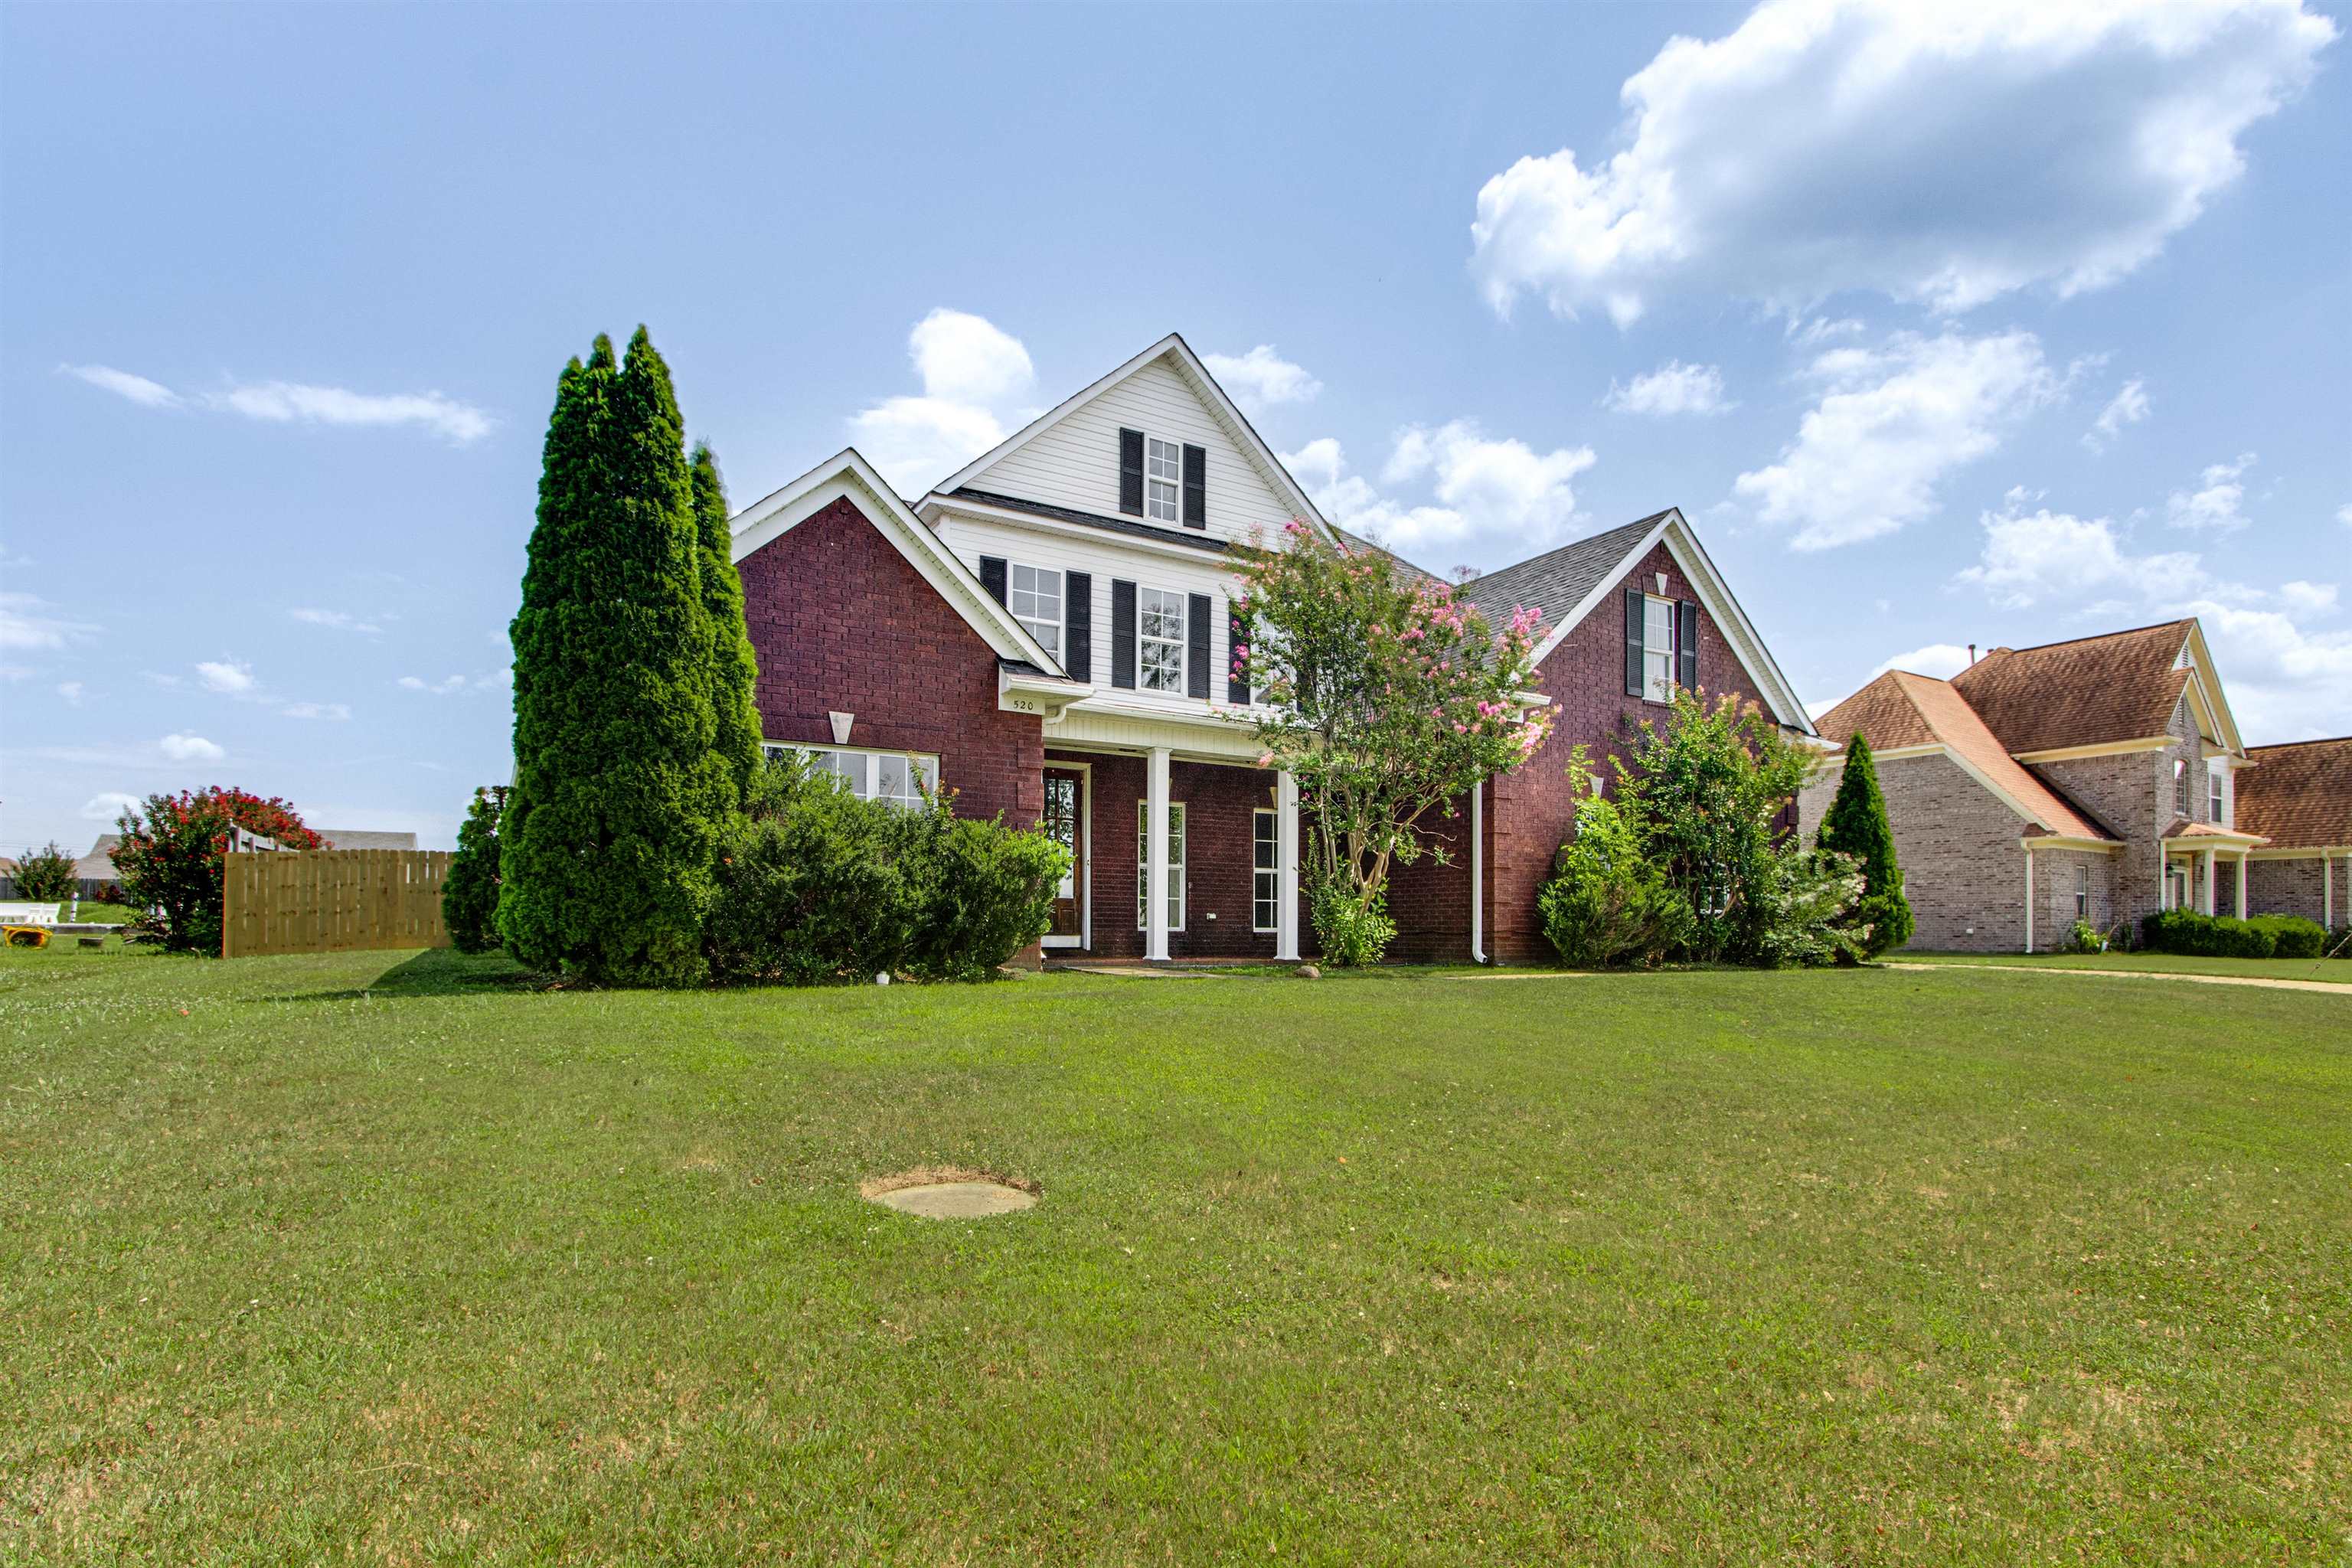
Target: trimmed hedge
[2205, 936]
[2339, 942]
[2291, 936]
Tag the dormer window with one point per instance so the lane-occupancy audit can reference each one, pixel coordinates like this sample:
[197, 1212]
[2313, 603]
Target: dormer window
[1163, 479]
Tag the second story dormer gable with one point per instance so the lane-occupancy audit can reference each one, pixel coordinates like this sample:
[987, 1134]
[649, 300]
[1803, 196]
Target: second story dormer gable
[1153, 454]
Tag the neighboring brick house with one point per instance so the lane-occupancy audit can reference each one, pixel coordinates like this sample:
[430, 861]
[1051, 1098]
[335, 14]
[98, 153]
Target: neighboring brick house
[2094, 779]
[2299, 797]
[1046, 635]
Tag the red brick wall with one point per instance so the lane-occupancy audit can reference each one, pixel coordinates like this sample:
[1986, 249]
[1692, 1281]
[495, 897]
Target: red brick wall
[1530, 810]
[840, 621]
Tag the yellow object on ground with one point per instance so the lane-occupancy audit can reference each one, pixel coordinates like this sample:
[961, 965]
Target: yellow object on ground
[26, 936]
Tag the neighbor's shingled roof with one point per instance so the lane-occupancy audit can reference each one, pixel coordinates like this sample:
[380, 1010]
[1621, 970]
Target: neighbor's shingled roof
[1900, 709]
[1557, 581]
[2299, 795]
[2119, 686]
[1412, 573]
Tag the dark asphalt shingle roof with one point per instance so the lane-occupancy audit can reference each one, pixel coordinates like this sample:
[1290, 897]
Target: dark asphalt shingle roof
[2299, 795]
[2117, 686]
[1096, 519]
[1557, 581]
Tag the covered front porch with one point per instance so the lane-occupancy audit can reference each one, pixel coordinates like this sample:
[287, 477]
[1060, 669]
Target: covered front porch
[2205, 868]
[1183, 849]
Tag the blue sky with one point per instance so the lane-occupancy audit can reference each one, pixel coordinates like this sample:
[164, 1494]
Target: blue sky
[2021, 322]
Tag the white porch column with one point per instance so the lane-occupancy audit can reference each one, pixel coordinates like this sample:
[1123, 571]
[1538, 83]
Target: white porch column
[1286, 860]
[1478, 872]
[1155, 817]
[2029, 900]
[2240, 910]
[2208, 882]
[2327, 890]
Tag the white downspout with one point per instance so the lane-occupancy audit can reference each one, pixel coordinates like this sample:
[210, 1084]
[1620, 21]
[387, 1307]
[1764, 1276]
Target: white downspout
[2029, 900]
[1478, 873]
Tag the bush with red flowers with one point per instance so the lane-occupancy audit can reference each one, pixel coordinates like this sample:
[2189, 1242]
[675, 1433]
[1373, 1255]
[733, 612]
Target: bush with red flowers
[170, 858]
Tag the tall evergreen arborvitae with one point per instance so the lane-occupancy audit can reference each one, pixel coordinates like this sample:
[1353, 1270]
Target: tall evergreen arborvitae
[621, 797]
[734, 670]
[469, 889]
[1856, 825]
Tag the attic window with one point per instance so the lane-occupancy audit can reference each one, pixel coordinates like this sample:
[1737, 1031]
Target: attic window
[1163, 479]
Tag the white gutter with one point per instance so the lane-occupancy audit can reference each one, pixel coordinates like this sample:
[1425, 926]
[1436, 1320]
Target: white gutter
[1478, 873]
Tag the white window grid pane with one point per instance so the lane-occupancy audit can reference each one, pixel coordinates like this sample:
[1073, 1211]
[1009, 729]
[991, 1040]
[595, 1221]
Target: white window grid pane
[1160, 620]
[897, 777]
[1265, 888]
[1658, 647]
[1163, 469]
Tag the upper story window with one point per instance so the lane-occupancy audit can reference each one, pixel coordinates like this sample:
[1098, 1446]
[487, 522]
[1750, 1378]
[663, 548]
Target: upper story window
[2179, 787]
[1036, 603]
[1658, 649]
[1163, 479]
[2217, 795]
[1159, 639]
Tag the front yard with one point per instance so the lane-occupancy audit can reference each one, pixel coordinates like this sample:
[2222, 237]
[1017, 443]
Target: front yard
[381, 1257]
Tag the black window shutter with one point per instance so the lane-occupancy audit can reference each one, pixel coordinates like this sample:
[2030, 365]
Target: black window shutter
[991, 577]
[1122, 634]
[1237, 686]
[1196, 487]
[1633, 642]
[1130, 472]
[1078, 624]
[1196, 655]
[1686, 644]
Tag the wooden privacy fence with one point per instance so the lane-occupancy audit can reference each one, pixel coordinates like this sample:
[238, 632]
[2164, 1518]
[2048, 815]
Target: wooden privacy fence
[331, 900]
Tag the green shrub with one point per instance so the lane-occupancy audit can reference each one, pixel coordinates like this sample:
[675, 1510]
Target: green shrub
[1353, 931]
[469, 893]
[1607, 902]
[2339, 942]
[2204, 936]
[2291, 936]
[45, 875]
[1856, 825]
[822, 886]
[1804, 910]
[2083, 937]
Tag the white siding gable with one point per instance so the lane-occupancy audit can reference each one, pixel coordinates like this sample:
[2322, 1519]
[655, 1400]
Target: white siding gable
[1074, 462]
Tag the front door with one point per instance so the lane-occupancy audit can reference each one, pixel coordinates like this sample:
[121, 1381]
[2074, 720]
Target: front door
[1064, 798]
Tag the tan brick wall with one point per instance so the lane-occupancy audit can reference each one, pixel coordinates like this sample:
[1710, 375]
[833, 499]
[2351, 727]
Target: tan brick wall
[2064, 881]
[2296, 888]
[2132, 796]
[1962, 869]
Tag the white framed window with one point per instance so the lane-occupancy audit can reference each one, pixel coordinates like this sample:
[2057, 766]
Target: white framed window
[896, 778]
[1658, 648]
[1163, 479]
[1036, 603]
[2217, 795]
[2082, 892]
[1265, 871]
[1175, 863]
[1159, 639]
[2179, 787]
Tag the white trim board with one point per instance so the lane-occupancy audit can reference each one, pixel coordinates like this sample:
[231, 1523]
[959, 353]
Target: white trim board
[847, 474]
[1715, 595]
[1188, 368]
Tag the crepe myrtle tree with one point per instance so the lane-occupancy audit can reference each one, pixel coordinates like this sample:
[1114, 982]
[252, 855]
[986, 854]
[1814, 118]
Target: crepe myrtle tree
[1388, 699]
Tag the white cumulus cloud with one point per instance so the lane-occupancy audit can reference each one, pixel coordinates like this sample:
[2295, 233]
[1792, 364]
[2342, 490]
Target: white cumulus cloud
[974, 375]
[108, 805]
[1673, 388]
[2216, 503]
[1890, 425]
[1490, 500]
[25, 623]
[1262, 378]
[1948, 155]
[229, 677]
[2128, 406]
[335, 620]
[1940, 659]
[123, 384]
[182, 748]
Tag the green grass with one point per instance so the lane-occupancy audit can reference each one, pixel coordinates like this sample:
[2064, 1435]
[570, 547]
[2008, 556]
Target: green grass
[382, 1257]
[2332, 969]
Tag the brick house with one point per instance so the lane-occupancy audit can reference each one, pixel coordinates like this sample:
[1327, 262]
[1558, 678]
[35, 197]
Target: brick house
[2096, 779]
[1047, 634]
[2299, 797]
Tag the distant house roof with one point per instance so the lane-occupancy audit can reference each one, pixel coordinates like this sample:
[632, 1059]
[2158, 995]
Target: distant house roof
[365, 838]
[1413, 573]
[98, 865]
[2299, 795]
[2120, 686]
[1900, 709]
[1558, 580]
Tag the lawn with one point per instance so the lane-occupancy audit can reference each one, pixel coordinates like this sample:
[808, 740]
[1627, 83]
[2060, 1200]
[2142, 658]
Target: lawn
[385, 1258]
[2335, 971]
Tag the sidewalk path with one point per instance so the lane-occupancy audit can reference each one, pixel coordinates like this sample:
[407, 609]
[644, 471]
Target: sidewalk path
[2323, 985]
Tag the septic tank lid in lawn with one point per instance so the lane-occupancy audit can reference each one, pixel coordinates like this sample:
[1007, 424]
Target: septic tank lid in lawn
[934, 1192]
